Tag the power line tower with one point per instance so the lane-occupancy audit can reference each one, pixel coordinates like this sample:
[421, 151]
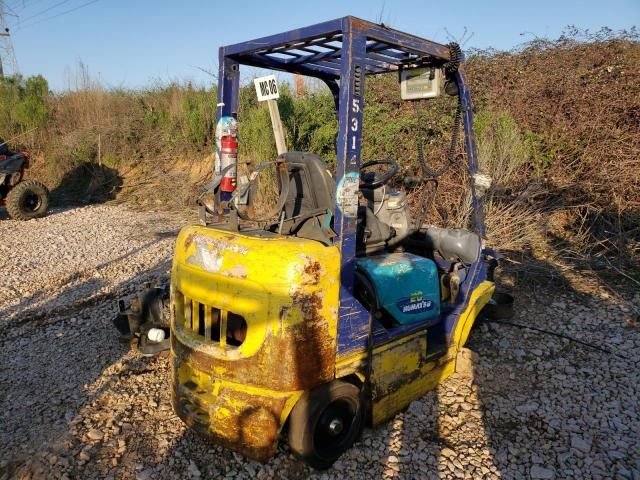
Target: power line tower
[8, 62]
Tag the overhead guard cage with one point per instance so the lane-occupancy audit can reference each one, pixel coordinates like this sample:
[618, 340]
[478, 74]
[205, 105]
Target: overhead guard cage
[346, 48]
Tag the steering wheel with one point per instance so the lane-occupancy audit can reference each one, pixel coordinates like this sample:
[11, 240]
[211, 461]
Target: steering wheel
[372, 180]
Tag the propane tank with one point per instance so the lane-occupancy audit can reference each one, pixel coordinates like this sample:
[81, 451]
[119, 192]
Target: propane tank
[226, 155]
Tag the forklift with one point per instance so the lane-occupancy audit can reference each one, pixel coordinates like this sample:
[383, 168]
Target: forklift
[335, 309]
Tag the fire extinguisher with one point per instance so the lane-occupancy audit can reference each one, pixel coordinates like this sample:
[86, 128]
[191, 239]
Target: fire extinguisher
[226, 155]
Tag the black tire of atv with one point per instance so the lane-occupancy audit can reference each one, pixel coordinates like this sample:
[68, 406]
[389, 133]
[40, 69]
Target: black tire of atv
[314, 419]
[28, 199]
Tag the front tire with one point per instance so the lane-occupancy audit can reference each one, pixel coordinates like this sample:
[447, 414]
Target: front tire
[325, 423]
[28, 199]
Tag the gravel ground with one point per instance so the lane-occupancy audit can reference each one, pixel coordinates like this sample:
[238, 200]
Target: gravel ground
[76, 403]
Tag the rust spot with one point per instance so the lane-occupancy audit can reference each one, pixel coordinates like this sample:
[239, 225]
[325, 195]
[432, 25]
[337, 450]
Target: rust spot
[258, 427]
[251, 429]
[312, 272]
[314, 349]
[188, 241]
[299, 359]
[359, 23]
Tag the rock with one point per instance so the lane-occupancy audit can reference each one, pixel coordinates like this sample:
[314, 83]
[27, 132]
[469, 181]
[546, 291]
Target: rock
[465, 362]
[193, 469]
[146, 474]
[95, 434]
[541, 473]
[616, 454]
[528, 407]
[447, 452]
[580, 443]
[416, 407]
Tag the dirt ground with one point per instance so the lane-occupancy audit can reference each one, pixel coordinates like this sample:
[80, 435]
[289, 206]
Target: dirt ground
[77, 403]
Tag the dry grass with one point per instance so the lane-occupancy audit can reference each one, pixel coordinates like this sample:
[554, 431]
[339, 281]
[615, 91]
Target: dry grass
[558, 127]
[579, 104]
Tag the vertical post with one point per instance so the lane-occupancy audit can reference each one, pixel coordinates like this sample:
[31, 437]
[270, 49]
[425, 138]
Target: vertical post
[349, 140]
[353, 325]
[99, 151]
[228, 84]
[228, 87]
[471, 148]
[276, 123]
[6, 46]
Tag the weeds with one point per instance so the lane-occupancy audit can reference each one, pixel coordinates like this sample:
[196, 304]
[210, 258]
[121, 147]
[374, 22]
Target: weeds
[557, 122]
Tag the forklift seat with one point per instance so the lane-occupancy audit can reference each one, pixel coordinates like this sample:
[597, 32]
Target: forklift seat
[311, 194]
[312, 191]
[311, 186]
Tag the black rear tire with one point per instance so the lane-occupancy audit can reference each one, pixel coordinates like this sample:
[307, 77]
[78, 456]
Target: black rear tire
[28, 199]
[325, 423]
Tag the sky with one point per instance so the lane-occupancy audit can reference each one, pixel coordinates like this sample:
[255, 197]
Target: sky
[134, 43]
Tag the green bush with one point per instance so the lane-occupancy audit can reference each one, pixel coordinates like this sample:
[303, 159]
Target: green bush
[198, 110]
[256, 135]
[503, 149]
[24, 104]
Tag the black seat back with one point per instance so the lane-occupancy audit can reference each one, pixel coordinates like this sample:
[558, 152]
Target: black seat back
[311, 186]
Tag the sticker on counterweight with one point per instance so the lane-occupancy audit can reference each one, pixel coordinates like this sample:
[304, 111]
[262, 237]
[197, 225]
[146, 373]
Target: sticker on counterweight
[347, 193]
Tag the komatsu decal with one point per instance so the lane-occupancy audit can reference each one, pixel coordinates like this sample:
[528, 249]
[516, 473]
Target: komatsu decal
[414, 304]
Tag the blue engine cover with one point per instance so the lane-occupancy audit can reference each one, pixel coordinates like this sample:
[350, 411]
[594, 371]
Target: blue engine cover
[407, 285]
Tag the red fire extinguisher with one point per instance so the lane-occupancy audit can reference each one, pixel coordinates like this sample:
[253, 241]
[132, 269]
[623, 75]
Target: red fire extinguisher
[228, 156]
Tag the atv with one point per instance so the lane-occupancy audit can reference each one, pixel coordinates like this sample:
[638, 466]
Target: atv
[24, 199]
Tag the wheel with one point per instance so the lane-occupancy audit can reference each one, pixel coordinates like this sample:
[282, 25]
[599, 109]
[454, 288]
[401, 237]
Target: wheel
[325, 422]
[28, 199]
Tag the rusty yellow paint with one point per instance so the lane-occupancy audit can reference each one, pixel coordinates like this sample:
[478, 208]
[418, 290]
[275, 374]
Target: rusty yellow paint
[292, 316]
[394, 389]
[396, 401]
[276, 270]
[410, 361]
[286, 289]
[240, 416]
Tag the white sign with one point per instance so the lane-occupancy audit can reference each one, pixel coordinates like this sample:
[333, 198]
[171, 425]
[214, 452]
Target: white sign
[266, 88]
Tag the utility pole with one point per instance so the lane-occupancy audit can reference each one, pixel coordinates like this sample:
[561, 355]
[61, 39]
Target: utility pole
[7, 54]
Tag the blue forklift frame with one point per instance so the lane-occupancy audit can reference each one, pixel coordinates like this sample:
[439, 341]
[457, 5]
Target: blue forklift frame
[350, 48]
